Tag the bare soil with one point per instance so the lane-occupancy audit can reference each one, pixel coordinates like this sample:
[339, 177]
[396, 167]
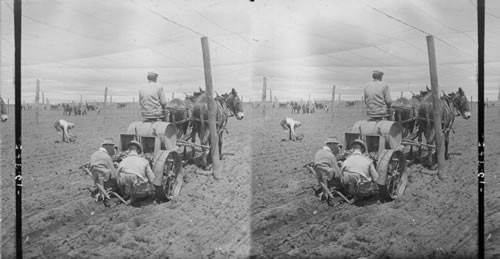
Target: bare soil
[263, 206]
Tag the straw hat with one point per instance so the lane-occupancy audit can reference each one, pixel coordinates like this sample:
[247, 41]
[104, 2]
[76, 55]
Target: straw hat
[137, 144]
[361, 143]
[332, 140]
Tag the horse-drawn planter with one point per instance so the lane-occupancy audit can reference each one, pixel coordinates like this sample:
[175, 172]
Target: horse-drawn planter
[386, 140]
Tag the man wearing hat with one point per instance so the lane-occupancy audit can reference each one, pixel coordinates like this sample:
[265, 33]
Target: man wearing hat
[378, 98]
[102, 167]
[135, 176]
[152, 100]
[359, 175]
[325, 163]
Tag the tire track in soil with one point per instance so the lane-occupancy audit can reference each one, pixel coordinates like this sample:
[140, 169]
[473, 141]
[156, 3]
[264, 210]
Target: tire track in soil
[433, 219]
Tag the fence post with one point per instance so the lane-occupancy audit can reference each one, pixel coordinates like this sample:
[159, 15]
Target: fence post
[333, 101]
[436, 107]
[214, 150]
[37, 99]
[105, 99]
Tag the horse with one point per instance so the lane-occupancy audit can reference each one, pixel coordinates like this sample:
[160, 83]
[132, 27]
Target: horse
[67, 109]
[226, 106]
[453, 104]
[178, 115]
[295, 107]
[3, 111]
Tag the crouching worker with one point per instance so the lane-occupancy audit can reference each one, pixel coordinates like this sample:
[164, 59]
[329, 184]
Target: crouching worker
[135, 176]
[326, 165]
[63, 127]
[290, 125]
[359, 175]
[103, 170]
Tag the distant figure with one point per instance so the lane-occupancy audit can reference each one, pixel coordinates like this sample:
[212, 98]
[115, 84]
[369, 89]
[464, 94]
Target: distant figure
[135, 174]
[152, 100]
[3, 110]
[378, 98]
[290, 125]
[63, 127]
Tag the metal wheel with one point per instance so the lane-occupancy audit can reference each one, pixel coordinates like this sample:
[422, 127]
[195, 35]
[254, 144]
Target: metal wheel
[170, 167]
[392, 170]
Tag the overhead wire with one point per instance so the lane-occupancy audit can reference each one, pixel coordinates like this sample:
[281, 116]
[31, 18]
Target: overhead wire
[416, 28]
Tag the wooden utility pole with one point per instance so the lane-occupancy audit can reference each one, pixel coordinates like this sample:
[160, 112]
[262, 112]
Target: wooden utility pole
[105, 99]
[271, 95]
[436, 107]
[173, 94]
[43, 100]
[37, 100]
[211, 107]
[333, 101]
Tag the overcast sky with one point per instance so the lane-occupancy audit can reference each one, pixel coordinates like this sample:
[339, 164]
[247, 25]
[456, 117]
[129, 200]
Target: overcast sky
[79, 47]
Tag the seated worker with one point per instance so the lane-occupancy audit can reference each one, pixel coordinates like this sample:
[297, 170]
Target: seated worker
[63, 127]
[135, 176]
[290, 125]
[359, 175]
[326, 166]
[152, 100]
[378, 98]
[102, 168]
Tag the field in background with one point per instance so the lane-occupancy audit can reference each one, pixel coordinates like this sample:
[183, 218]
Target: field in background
[263, 205]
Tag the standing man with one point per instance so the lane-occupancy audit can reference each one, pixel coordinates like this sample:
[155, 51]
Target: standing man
[135, 175]
[359, 176]
[102, 167]
[378, 98]
[62, 126]
[325, 164]
[152, 100]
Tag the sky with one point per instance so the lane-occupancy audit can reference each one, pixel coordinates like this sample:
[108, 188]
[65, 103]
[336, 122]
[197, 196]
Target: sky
[76, 48]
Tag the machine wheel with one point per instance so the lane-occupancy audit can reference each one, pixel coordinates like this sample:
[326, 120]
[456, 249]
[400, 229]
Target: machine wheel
[391, 166]
[168, 166]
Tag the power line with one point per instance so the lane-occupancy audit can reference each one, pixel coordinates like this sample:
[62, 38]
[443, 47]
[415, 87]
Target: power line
[190, 29]
[416, 28]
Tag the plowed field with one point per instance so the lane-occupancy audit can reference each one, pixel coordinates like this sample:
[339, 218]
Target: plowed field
[263, 206]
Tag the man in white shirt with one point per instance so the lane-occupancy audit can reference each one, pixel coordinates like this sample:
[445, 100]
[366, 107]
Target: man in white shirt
[63, 127]
[359, 175]
[135, 176]
[290, 125]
